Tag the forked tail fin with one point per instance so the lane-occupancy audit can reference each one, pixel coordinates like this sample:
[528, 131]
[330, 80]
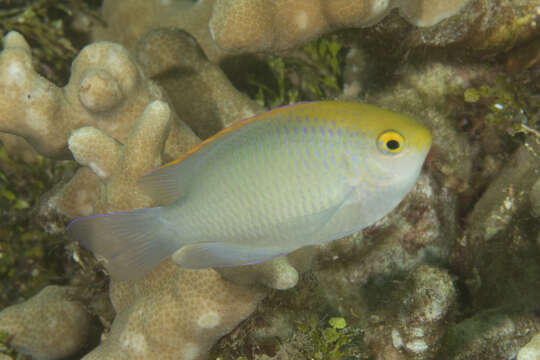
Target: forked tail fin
[132, 242]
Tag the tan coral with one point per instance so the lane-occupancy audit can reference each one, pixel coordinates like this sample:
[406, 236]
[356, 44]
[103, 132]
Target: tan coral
[119, 166]
[186, 15]
[259, 25]
[51, 325]
[197, 88]
[174, 314]
[107, 89]
[224, 27]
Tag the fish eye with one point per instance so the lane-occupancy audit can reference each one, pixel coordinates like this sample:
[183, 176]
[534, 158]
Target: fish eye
[390, 142]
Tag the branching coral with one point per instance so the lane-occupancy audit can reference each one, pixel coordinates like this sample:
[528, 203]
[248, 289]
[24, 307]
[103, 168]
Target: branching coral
[209, 306]
[258, 25]
[107, 89]
[198, 89]
[223, 27]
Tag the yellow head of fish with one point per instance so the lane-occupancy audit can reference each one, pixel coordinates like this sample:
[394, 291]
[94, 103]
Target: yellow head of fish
[378, 152]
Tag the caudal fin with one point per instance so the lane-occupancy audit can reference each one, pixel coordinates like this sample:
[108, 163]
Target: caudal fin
[132, 242]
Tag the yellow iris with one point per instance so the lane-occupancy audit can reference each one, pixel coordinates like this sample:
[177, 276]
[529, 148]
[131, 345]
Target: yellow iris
[390, 142]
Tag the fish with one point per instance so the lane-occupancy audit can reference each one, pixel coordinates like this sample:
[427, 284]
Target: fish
[298, 175]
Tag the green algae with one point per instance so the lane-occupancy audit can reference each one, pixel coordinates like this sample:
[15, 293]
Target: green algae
[30, 256]
[314, 73]
[293, 324]
[6, 351]
[328, 342]
[507, 105]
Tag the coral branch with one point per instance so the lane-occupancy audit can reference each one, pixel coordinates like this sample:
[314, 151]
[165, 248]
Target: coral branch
[106, 90]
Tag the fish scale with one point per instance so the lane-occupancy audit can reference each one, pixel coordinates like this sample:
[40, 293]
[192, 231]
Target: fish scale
[266, 168]
[294, 176]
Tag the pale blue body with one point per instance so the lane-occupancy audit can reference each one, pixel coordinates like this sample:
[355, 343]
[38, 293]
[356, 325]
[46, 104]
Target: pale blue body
[296, 176]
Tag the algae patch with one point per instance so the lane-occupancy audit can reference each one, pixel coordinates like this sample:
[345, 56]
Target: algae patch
[314, 73]
[506, 104]
[30, 258]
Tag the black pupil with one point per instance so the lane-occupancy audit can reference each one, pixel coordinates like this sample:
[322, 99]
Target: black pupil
[392, 144]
